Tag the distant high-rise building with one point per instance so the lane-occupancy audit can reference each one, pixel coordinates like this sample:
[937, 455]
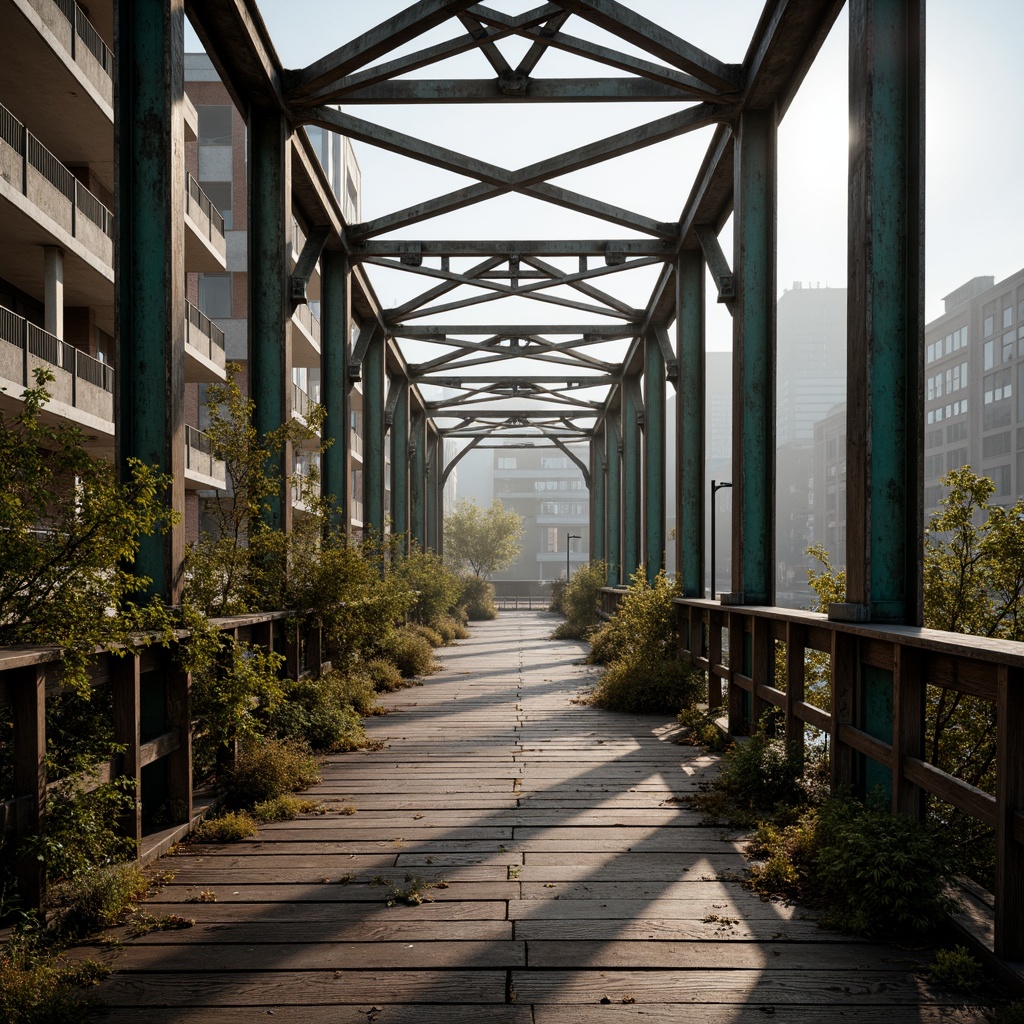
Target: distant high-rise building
[828, 496]
[974, 388]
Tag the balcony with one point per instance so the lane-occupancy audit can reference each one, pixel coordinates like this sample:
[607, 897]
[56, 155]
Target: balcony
[306, 338]
[305, 490]
[44, 190]
[204, 348]
[301, 405]
[205, 245]
[202, 470]
[82, 391]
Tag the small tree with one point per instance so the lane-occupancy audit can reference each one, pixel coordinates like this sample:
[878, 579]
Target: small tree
[487, 540]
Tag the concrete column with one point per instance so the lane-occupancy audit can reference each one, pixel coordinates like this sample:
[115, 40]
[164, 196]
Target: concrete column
[753, 475]
[654, 457]
[690, 419]
[614, 504]
[335, 389]
[270, 308]
[149, 292]
[53, 290]
[632, 478]
[374, 387]
[399, 426]
[885, 313]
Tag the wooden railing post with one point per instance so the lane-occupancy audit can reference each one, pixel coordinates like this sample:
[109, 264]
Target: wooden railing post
[795, 684]
[907, 729]
[1009, 924]
[844, 706]
[761, 665]
[29, 749]
[738, 722]
[179, 762]
[127, 674]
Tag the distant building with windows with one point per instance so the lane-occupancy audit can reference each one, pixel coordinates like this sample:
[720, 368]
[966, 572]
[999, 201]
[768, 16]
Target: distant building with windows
[549, 491]
[974, 383]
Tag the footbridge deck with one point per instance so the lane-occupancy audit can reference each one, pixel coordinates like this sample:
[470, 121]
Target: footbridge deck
[564, 880]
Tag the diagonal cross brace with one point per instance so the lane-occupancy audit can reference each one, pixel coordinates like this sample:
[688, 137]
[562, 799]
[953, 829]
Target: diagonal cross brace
[311, 252]
[717, 263]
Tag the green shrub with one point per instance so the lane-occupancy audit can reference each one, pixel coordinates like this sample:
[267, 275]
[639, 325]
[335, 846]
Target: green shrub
[956, 969]
[286, 808]
[384, 675]
[872, 872]
[434, 586]
[325, 712]
[643, 629]
[432, 636]
[478, 599]
[450, 629]
[762, 775]
[661, 686]
[37, 987]
[703, 725]
[267, 769]
[95, 899]
[411, 653]
[580, 600]
[557, 603]
[228, 828]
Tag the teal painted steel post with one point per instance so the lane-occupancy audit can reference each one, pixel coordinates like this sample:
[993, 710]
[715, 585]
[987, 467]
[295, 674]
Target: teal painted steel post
[885, 313]
[632, 477]
[654, 457]
[400, 464]
[433, 492]
[753, 441]
[150, 282]
[418, 480]
[690, 418]
[335, 386]
[270, 307]
[885, 337]
[598, 497]
[374, 428]
[614, 499]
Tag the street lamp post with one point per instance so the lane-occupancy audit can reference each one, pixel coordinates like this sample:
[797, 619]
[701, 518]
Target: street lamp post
[568, 537]
[715, 488]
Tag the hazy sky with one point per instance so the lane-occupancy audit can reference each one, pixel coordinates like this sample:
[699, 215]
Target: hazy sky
[974, 166]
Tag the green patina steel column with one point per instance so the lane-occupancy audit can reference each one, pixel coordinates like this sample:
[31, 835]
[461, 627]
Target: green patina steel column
[433, 492]
[374, 429]
[885, 330]
[632, 477]
[598, 495]
[753, 474]
[335, 388]
[150, 262]
[270, 308]
[399, 425]
[690, 411]
[654, 457]
[614, 498]
[418, 480]
[885, 312]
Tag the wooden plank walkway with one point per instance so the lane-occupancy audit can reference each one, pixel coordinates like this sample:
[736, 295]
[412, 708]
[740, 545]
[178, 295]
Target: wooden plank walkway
[568, 882]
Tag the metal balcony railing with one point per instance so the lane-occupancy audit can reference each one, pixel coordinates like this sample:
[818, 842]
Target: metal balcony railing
[200, 208]
[204, 335]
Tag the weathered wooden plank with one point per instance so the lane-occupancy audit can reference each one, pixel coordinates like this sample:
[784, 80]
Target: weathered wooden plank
[757, 1013]
[378, 1012]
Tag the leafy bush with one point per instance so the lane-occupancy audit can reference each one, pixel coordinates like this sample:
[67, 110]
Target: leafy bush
[285, 808]
[478, 599]
[643, 629]
[872, 872]
[267, 769]
[432, 636]
[660, 686]
[325, 712]
[95, 900]
[703, 726]
[435, 588]
[557, 603]
[231, 827]
[580, 600]
[411, 653]
[37, 987]
[384, 675]
[762, 775]
[451, 629]
[956, 969]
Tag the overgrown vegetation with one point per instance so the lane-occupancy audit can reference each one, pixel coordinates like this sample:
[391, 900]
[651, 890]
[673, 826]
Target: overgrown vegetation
[579, 600]
[484, 540]
[639, 646]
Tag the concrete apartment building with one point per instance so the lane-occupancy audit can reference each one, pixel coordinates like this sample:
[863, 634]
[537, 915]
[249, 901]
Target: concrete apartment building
[973, 379]
[57, 233]
[548, 489]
